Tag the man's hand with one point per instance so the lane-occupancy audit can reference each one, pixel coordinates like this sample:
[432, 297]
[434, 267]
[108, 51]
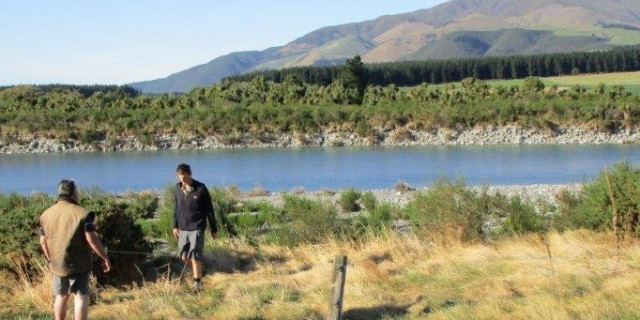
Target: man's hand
[214, 235]
[176, 233]
[106, 265]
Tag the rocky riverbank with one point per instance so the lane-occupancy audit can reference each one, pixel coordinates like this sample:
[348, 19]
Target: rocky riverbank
[546, 192]
[485, 135]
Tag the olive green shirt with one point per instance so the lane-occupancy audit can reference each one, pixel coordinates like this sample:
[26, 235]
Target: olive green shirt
[64, 225]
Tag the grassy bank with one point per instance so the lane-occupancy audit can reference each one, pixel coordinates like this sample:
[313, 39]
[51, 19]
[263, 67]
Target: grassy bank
[465, 254]
[390, 277]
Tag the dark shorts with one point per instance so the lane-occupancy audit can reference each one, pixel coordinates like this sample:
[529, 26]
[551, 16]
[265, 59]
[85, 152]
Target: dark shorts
[71, 284]
[191, 244]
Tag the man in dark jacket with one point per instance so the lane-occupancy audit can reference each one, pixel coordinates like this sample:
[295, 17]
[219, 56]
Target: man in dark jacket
[68, 238]
[193, 208]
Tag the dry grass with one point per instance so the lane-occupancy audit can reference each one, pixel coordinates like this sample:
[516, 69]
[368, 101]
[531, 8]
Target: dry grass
[258, 191]
[396, 277]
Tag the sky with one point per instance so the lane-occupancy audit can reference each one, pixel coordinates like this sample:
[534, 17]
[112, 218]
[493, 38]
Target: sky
[123, 41]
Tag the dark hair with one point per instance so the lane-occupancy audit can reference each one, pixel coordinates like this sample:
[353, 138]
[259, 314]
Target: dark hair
[184, 168]
[67, 188]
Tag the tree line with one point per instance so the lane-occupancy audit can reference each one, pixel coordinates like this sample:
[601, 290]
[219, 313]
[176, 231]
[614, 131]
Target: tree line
[412, 73]
[261, 109]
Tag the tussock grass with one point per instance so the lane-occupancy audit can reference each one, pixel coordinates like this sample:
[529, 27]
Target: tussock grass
[388, 277]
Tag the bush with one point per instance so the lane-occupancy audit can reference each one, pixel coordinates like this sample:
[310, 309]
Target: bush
[450, 211]
[115, 222]
[261, 217]
[522, 218]
[532, 84]
[19, 225]
[349, 200]
[310, 222]
[402, 186]
[594, 210]
[374, 223]
[258, 191]
[162, 225]
[369, 201]
[117, 226]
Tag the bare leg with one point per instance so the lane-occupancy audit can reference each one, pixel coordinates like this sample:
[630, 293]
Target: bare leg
[197, 268]
[81, 306]
[60, 306]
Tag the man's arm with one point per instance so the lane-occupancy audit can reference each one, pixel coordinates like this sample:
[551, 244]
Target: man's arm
[43, 245]
[175, 231]
[96, 246]
[206, 198]
[94, 242]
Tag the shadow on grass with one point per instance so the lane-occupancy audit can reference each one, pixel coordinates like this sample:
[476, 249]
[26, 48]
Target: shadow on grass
[217, 261]
[376, 313]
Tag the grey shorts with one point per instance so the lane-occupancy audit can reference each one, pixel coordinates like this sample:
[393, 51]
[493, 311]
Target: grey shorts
[191, 244]
[71, 284]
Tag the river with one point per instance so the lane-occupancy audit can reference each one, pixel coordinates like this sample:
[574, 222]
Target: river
[314, 168]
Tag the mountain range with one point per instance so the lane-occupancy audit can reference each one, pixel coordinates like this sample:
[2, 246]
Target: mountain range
[458, 28]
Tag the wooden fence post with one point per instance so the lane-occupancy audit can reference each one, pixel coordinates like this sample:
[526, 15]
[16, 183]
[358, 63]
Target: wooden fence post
[337, 287]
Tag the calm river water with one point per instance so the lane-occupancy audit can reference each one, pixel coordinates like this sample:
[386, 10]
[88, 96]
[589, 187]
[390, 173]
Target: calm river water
[314, 168]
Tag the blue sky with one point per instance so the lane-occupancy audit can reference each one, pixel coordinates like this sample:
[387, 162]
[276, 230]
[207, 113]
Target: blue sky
[117, 41]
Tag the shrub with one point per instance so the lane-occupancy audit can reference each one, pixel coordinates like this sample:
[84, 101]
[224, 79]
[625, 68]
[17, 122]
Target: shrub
[163, 223]
[450, 211]
[299, 190]
[532, 84]
[374, 223]
[262, 217]
[369, 201]
[349, 200]
[594, 210]
[224, 202]
[402, 186]
[310, 222]
[115, 222]
[258, 191]
[19, 225]
[522, 217]
[119, 231]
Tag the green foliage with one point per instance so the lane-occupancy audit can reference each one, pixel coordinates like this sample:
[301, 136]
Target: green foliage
[116, 224]
[238, 112]
[369, 201]
[257, 219]
[353, 75]
[450, 211]
[523, 218]
[309, 222]
[593, 209]
[19, 225]
[532, 84]
[349, 200]
[374, 223]
[162, 225]
[434, 71]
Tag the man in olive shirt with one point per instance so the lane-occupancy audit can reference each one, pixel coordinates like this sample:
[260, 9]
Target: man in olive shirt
[193, 208]
[68, 238]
